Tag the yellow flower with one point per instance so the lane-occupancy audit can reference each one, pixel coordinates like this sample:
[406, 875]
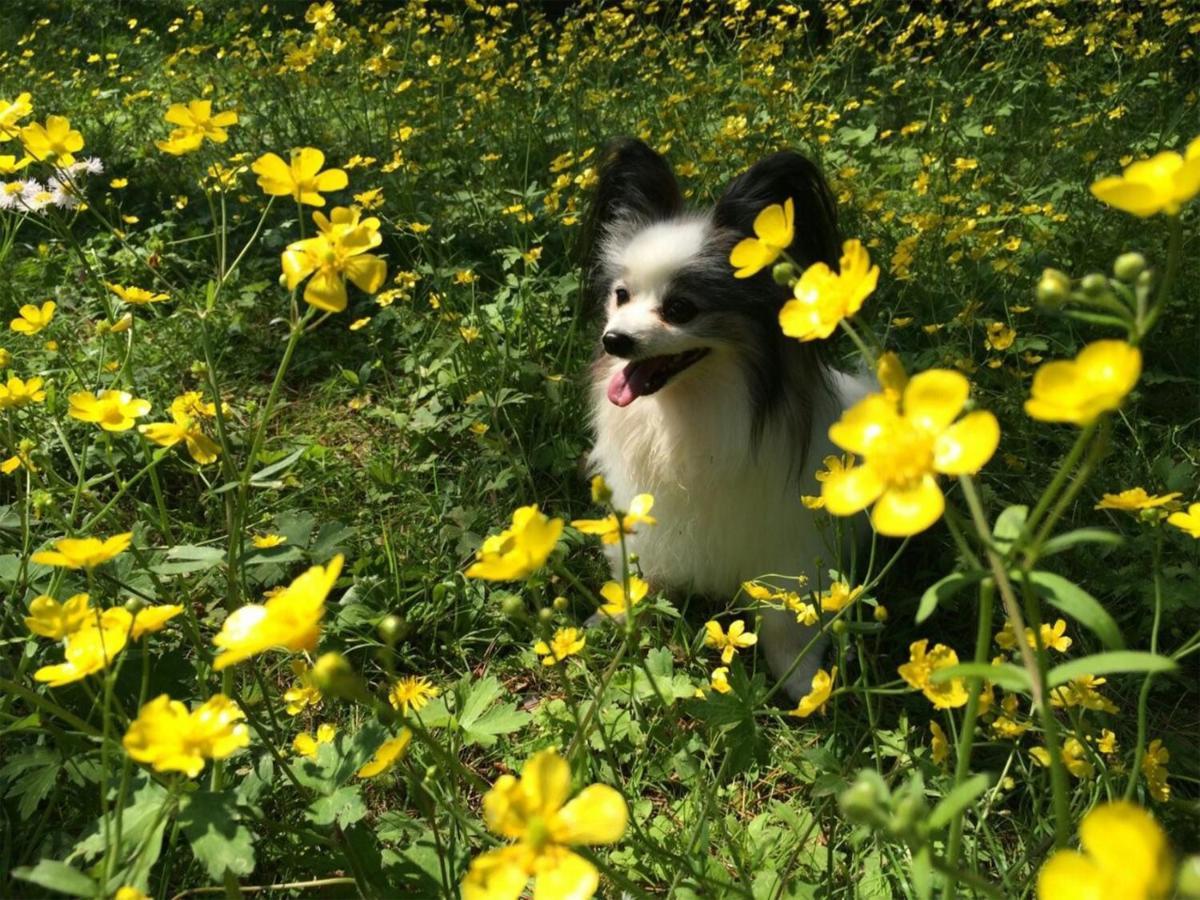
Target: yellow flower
[32, 319]
[200, 446]
[10, 112]
[337, 252]
[303, 694]
[196, 123]
[9, 164]
[1082, 691]
[1074, 758]
[891, 375]
[412, 692]
[1054, 637]
[728, 643]
[534, 811]
[306, 744]
[609, 530]
[814, 701]
[168, 738]
[302, 178]
[83, 553]
[1079, 390]
[519, 551]
[919, 669]
[939, 747]
[111, 410]
[389, 753]
[619, 600]
[90, 648]
[1154, 767]
[903, 447]
[566, 642]
[48, 618]
[1107, 743]
[54, 142]
[1188, 521]
[15, 392]
[129, 892]
[822, 297]
[290, 620]
[999, 336]
[136, 295]
[150, 619]
[1162, 183]
[839, 596]
[720, 680]
[774, 228]
[1135, 499]
[267, 541]
[1125, 857]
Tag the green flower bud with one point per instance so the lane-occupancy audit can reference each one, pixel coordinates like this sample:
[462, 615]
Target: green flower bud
[1188, 883]
[393, 628]
[333, 676]
[1094, 285]
[1054, 288]
[440, 590]
[838, 627]
[546, 615]
[864, 800]
[513, 607]
[1129, 266]
[134, 605]
[881, 613]
[561, 604]
[784, 274]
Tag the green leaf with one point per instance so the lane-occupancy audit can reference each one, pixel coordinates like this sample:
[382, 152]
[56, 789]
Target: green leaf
[1009, 525]
[219, 840]
[957, 801]
[344, 806]
[58, 876]
[1005, 675]
[1109, 664]
[1070, 598]
[137, 821]
[944, 589]
[259, 478]
[1070, 539]
[189, 558]
[480, 724]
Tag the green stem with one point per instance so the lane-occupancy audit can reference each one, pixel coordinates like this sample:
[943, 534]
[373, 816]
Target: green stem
[1144, 695]
[1060, 477]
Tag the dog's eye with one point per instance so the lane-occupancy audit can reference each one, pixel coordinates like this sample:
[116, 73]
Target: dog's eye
[677, 310]
[622, 296]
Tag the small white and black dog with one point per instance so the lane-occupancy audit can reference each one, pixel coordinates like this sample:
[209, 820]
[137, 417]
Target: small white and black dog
[697, 396]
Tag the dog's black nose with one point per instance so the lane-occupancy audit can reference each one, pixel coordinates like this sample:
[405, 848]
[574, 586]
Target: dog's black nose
[618, 343]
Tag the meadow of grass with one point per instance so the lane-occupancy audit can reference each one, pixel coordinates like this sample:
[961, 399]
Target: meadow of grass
[351, 728]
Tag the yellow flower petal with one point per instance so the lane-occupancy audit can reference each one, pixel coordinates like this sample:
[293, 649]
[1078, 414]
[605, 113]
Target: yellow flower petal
[563, 875]
[851, 490]
[597, 815]
[900, 513]
[934, 398]
[966, 446]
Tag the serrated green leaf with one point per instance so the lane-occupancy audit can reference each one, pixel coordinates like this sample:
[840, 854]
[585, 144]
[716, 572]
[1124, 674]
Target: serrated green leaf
[212, 825]
[1070, 598]
[344, 806]
[1111, 663]
[480, 725]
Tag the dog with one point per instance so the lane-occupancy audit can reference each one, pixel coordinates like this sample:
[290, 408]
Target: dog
[699, 399]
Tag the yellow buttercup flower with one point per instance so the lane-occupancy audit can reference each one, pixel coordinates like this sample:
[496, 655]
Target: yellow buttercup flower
[519, 551]
[609, 529]
[12, 111]
[83, 553]
[720, 680]
[814, 701]
[185, 428]
[129, 892]
[618, 600]
[306, 744]
[904, 447]
[1187, 521]
[839, 596]
[1082, 691]
[729, 642]
[1135, 499]
[267, 541]
[303, 694]
[111, 410]
[566, 642]
[301, 179]
[16, 392]
[774, 228]
[1154, 767]
[337, 253]
[54, 142]
[1162, 183]
[33, 319]
[533, 810]
[290, 620]
[150, 619]
[49, 618]
[1094, 382]
[168, 738]
[90, 648]
[918, 672]
[999, 336]
[196, 123]
[136, 295]
[413, 692]
[389, 753]
[1125, 856]
[939, 747]
[822, 297]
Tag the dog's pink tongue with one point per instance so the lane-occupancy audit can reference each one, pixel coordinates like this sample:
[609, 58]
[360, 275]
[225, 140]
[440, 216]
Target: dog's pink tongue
[626, 385]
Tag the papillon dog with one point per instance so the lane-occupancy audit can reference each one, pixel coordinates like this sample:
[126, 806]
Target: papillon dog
[699, 399]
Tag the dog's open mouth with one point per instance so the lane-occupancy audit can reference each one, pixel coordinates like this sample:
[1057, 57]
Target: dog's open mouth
[643, 377]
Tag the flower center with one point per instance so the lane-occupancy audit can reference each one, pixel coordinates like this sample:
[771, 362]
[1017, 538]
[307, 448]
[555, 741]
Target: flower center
[904, 455]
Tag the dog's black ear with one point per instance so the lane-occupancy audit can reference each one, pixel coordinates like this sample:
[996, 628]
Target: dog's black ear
[774, 180]
[635, 183]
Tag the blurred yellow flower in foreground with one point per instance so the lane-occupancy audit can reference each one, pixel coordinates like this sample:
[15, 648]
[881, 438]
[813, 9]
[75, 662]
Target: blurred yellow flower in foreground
[822, 297]
[565, 642]
[16, 392]
[389, 753]
[939, 747]
[535, 812]
[83, 553]
[609, 529]
[412, 692]
[1162, 183]
[290, 620]
[729, 642]
[306, 744]
[137, 295]
[1125, 856]
[814, 701]
[54, 142]
[1187, 521]
[11, 111]
[301, 179]
[774, 228]
[49, 618]
[918, 672]
[32, 319]
[338, 252]
[903, 447]
[1094, 382]
[90, 648]
[518, 551]
[111, 410]
[168, 738]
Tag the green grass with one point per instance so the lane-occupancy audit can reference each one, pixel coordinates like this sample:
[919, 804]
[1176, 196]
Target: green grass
[960, 142]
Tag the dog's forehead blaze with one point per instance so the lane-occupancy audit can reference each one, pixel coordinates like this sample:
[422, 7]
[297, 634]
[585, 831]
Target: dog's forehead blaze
[656, 253]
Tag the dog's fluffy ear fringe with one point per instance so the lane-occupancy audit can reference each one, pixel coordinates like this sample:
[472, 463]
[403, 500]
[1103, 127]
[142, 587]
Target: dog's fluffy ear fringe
[773, 180]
